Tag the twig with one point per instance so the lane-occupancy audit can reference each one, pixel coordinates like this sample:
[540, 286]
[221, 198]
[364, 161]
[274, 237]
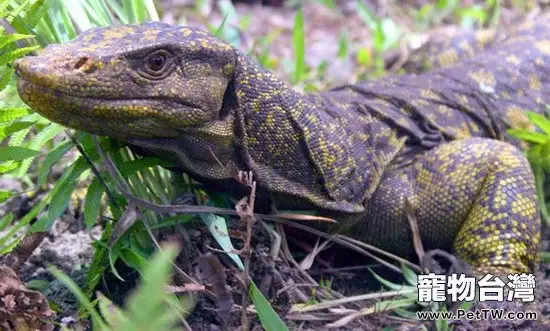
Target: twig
[363, 312]
[245, 210]
[401, 57]
[338, 302]
[276, 246]
[307, 262]
[294, 285]
[342, 270]
[381, 252]
[290, 258]
[311, 317]
[244, 297]
[185, 289]
[413, 223]
[326, 292]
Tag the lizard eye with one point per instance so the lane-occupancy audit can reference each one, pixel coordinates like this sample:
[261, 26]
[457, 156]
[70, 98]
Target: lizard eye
[157, 64]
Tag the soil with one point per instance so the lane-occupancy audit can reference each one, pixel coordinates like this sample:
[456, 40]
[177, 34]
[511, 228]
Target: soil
[68, 246]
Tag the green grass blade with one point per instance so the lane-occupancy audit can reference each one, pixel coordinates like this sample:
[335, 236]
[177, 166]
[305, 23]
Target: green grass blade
[117, 10]
[37, 11]
[151, 10]
[99, 8]
[68, 25]
[133, 166]
[410, 276]
[6, 220]
[343, 45]
[540, 121]
[299, 46]
[218, 229]
[529, 136]
[390, 285]
[140, 13]
[220, 30]
[5, 195]
[78, 14]
[268, 317]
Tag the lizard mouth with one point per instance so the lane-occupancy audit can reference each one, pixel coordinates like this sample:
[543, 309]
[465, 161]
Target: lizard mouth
[43, 99]
[76, 93]
[141, 117]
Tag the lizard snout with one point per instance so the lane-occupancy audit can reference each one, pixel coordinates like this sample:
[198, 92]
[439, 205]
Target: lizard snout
[22, 67]
[15, 66]
[55, 72]
[31, 69]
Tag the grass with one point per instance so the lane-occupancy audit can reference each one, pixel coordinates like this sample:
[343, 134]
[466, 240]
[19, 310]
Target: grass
[145, 309]
[32, 146]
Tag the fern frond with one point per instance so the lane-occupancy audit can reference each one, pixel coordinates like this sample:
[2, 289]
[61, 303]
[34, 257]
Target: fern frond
[6, 39]
[10, 114]
[15, 54]
[5, 79]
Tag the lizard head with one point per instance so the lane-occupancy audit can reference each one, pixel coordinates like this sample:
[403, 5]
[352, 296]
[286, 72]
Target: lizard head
[151, 80]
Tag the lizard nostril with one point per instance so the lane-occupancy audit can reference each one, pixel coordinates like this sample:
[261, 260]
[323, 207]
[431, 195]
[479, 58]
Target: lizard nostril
[85, 64]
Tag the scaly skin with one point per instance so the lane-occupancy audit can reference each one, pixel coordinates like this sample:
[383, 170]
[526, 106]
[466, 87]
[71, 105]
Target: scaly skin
[354, 153]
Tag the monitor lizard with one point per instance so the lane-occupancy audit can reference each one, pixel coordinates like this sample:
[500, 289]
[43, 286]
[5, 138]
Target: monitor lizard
[356, 153]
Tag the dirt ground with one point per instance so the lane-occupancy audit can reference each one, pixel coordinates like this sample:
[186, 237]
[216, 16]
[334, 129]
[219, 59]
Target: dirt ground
[69, 245]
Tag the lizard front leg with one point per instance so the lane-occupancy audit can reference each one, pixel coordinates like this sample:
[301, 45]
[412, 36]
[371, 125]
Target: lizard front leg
[484, 190]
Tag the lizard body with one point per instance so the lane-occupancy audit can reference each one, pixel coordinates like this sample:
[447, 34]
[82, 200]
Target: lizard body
[355, 152]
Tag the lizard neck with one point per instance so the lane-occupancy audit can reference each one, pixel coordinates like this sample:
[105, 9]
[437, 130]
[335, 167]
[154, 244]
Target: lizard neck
[323, 149]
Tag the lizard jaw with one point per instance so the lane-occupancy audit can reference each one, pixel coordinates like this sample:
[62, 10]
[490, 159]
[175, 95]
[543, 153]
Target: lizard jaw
[120, 118]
